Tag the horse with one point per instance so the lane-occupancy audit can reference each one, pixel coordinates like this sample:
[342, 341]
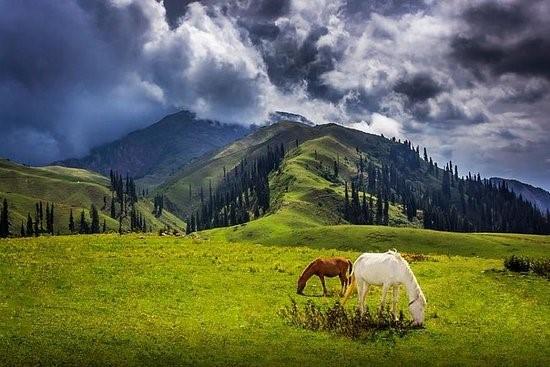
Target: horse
[326, 267]
[387, 269]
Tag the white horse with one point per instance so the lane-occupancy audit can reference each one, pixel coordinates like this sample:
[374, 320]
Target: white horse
[387, 269]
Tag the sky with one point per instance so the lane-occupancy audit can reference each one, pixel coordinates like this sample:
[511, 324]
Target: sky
[470, 80]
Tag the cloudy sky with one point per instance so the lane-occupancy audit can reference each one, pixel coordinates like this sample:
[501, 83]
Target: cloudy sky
[468, 79]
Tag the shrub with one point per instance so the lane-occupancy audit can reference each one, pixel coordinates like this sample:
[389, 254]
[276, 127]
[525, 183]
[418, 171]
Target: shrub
[518, 264]
[336, 319]
[524, 264]
[541, 267]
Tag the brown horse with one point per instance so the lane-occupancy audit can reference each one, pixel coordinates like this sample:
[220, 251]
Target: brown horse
[326, 267]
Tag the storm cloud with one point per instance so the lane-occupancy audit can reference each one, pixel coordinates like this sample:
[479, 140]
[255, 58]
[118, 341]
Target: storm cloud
[468, 79]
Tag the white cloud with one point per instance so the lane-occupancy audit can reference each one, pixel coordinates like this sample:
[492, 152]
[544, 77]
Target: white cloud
[379, 124]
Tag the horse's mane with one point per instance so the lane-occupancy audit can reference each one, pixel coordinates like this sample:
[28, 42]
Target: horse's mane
[409, 272]
[308, 267]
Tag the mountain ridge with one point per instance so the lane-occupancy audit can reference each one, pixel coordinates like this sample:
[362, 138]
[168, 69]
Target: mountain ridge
[155, 152]
[536, 195]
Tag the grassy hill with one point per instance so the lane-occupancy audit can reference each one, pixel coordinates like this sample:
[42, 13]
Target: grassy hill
[67, 188]
[149, 300]
[154, 153]
[305, 183]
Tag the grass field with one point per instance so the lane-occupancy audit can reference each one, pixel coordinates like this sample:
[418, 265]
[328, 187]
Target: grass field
[131, 300]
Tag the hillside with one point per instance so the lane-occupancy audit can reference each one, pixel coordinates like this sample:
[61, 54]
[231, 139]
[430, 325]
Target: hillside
[535, 195]
[409, 189]
[66, 188]
[330, 142]
[154, 153]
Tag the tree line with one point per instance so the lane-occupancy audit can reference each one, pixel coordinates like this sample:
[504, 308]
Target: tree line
[242, 193]
[124, 198]
[445, 200]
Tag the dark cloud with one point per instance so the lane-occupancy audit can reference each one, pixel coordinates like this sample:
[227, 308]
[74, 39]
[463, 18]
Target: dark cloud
[77, 73]
[175, 9]
[496, 18]
[504, 38]
[418, 88]
[362, 8]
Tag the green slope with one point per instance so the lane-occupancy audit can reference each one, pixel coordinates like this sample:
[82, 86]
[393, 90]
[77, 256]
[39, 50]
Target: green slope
[209, 168]
[66, 188]
[310, 183]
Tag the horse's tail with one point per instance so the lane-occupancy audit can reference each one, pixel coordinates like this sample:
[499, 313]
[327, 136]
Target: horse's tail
[350, 268]
[351, 288]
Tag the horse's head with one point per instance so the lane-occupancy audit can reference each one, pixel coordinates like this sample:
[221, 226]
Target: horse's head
[301, 286]
[417, 307]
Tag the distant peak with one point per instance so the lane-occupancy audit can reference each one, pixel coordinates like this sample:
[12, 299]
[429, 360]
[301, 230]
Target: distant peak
[279, 116]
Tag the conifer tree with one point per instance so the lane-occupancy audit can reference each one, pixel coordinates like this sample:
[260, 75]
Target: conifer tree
[386, 211]
[71, 221]
[4, 220]
[41, 213]
[36, 229]
[30, 228]
[379, 209]
[113, 209]
[83, 225]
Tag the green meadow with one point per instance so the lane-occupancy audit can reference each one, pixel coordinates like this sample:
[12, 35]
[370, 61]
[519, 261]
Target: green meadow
[213, 299]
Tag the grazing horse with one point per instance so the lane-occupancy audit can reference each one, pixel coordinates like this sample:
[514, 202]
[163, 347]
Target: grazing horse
[387, 269]
[326, 267]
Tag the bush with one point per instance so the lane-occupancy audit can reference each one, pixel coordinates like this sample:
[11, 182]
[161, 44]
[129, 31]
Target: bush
[541, 267]
[336, 319]
[524, 264]
[517, 263]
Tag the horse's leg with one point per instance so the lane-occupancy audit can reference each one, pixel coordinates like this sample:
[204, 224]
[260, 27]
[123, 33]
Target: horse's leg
[323, 283]
[362, 289]
[395, 299]
[385, 288]
[343, 283]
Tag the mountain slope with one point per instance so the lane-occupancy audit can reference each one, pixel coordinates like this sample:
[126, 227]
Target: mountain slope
[330, 141]
[66, 188]
[305, 189]
[182, 190]
[535, 195]
[154, 153]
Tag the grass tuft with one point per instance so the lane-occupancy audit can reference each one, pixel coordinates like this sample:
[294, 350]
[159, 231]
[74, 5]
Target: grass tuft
[337, 320]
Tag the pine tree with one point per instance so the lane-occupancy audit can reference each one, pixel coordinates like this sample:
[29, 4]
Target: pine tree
[36, 229]
[104, 226]
[365, 210]
[4, 220]
[83, 226]
[41, 212]
[335, 169]
[379, 209]
[386, 211]
[113, 209]
[346, 203]
[22, 233]
[71, 222]
[30, 229]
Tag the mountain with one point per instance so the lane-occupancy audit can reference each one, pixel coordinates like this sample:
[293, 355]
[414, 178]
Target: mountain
[309, 185]
[154, 153]
[279, 116]
[304, 177]
[535, 195]
[66, 188]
